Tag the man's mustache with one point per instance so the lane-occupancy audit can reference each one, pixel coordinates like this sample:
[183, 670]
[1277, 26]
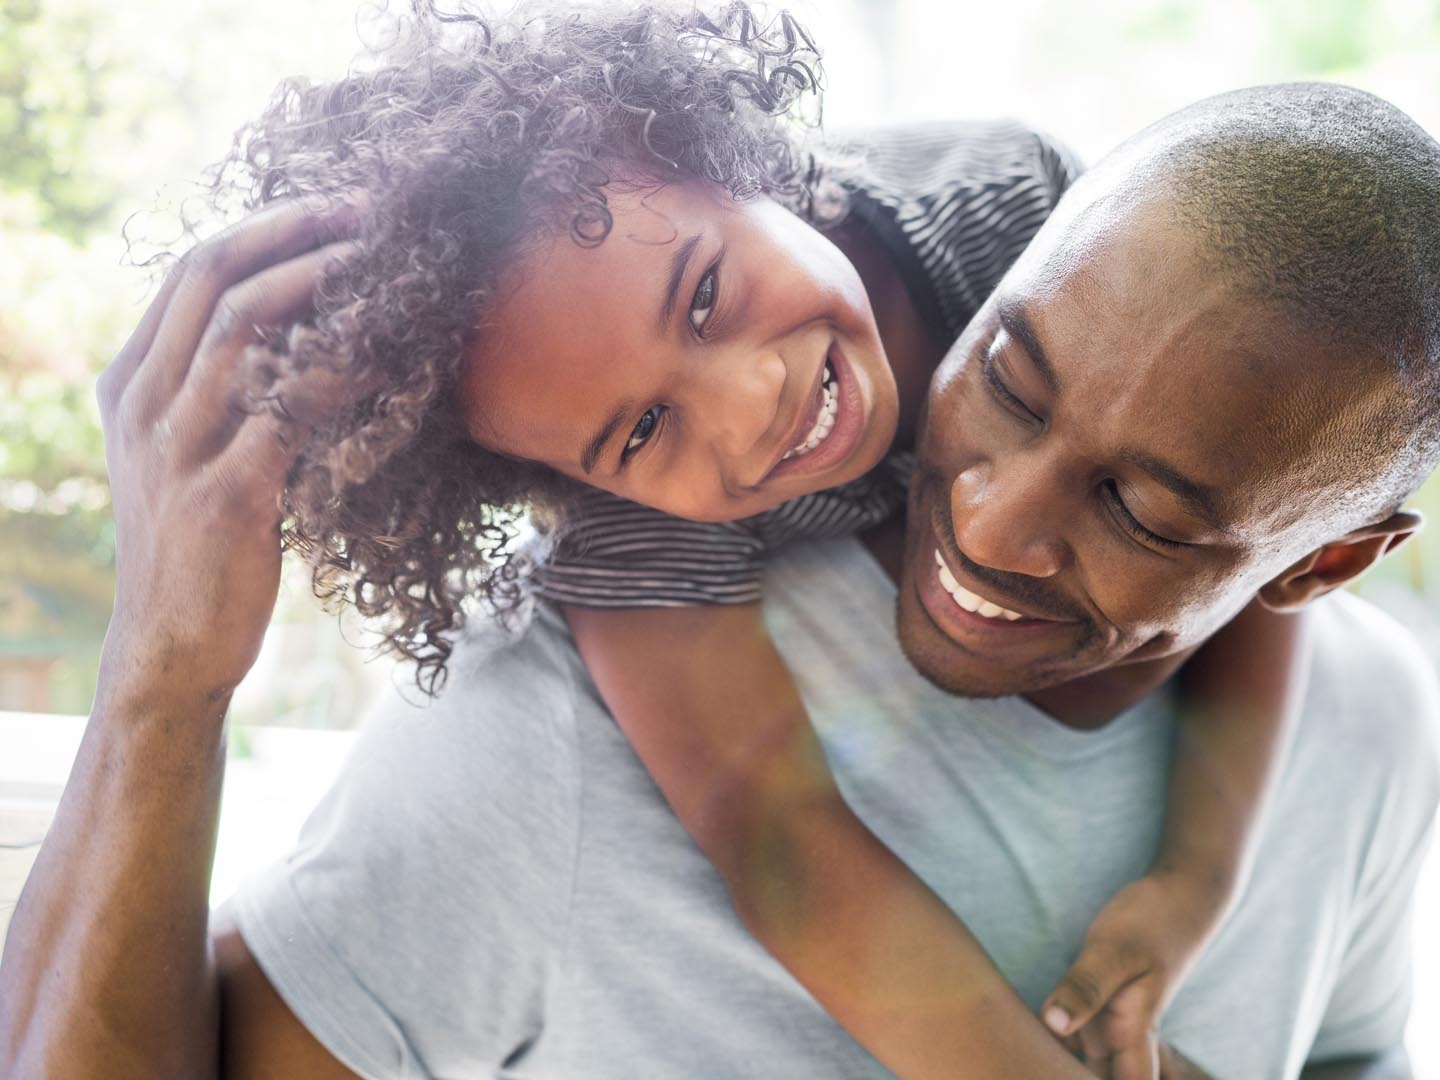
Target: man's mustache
[1036, 595]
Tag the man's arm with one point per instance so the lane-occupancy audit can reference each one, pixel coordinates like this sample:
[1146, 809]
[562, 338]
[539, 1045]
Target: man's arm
[108, 967]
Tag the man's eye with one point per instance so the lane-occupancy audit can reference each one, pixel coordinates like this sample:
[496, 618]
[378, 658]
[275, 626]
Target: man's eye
[648, 425]
[703, 302]
[1003, 392]
[1131, 524]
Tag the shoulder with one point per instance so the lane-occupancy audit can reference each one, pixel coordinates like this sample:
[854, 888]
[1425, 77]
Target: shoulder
[490, 765]
[507, 714]
[1372, 710]
[1368, 748]
[420, 911]
[1370, 666]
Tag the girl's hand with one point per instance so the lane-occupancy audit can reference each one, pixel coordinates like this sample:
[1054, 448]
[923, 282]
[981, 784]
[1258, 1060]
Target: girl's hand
[1138, 949]
[195, 479]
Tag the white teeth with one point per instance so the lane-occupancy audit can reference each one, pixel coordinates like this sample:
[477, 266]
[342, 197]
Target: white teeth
[968, 600]
[947, 579]
[825, 422]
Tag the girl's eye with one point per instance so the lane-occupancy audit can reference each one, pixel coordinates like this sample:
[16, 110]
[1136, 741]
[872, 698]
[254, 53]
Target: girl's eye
[648, 425]
[703, 303]
[1131, 524]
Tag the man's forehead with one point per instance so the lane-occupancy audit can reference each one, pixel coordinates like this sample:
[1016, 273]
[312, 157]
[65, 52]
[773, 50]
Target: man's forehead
[1159, 354]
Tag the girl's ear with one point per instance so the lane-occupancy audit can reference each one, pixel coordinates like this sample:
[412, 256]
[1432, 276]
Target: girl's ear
[1338, 562]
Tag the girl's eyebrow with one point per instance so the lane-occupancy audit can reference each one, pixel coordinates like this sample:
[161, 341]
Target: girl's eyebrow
[596, 445]
[679, 262]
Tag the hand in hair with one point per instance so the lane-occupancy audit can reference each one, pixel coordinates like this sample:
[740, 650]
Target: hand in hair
[196, 471]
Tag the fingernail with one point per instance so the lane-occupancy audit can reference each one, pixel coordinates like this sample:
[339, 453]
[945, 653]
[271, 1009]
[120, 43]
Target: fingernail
[1057, 1019]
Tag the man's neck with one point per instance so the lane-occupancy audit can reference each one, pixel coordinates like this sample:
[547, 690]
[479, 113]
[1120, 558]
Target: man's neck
[1094, 700]
[1085, 703]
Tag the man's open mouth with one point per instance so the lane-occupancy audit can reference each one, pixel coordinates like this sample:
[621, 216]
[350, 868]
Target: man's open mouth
[971, 602]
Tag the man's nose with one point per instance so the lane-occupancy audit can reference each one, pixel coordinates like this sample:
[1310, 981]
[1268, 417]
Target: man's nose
[739, 396]
[1007, 517]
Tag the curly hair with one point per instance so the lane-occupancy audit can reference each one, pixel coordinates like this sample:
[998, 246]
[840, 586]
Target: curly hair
[469, 135]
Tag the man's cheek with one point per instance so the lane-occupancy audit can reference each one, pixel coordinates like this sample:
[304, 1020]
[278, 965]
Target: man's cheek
[1151, 608]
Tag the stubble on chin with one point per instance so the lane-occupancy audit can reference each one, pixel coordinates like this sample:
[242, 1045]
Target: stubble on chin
[937, 661]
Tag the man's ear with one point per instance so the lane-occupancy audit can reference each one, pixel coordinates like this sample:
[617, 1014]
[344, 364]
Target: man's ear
[1339, 561]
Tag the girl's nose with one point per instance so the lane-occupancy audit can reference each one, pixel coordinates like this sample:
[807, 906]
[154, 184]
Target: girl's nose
[738, 402]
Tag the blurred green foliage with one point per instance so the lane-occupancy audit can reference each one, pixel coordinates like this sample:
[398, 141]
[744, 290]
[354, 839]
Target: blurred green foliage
[48, 98]
[66, 106]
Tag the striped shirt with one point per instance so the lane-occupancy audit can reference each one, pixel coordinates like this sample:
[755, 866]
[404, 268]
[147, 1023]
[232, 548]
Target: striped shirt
[954, 204]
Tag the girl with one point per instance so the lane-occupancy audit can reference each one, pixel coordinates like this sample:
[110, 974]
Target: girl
[596, 253]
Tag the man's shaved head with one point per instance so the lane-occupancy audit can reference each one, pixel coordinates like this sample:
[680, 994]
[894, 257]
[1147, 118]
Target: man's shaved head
[1321, 203]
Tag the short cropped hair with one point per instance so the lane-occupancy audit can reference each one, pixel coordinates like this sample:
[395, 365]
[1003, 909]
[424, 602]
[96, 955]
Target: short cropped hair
[1325, 201]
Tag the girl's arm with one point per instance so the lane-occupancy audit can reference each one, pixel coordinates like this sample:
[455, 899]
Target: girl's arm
[1240, 697]
[1240, 700]
[707, 702]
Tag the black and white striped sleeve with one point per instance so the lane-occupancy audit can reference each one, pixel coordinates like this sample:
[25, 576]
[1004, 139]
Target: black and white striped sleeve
[618, 554]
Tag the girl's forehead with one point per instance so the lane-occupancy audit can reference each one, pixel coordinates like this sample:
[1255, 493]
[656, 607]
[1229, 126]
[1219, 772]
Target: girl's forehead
[572, 323]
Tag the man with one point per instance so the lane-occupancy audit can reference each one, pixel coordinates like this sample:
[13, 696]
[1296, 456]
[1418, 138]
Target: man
[1212, 378]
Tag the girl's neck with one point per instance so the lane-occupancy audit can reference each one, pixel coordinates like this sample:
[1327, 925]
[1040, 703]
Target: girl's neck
[912, 349]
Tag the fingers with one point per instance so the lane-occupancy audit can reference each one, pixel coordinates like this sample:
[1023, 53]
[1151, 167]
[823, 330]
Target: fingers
[277, 233]
[1139, 1060]
[1175, 1066]
[1094, 1051]
[1132, 1017]
[119, 371]
[256, 461]
[1098, 974]
[1121, 1042]
[277, 296]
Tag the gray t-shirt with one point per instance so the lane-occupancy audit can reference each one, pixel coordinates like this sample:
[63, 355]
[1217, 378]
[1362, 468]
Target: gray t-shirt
[495, 886]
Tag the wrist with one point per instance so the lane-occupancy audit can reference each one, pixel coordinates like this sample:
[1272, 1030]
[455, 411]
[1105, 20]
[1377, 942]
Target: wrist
[1205, 890]
[1208, 872]
[151, 678]
[132, 704]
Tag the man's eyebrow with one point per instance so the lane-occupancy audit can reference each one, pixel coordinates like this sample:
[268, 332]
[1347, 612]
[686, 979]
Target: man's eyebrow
[596, 445]
[679, 262]
[1017, 324]
[1199, 499]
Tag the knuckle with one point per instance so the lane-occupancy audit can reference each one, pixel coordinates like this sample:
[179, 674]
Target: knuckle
[232, 318]
[1128, 1031]
[106, 391]
[1083, 986]
[1115, 952]
[209, 263]
[1131, 955]
[180, 269]
[124, 423]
